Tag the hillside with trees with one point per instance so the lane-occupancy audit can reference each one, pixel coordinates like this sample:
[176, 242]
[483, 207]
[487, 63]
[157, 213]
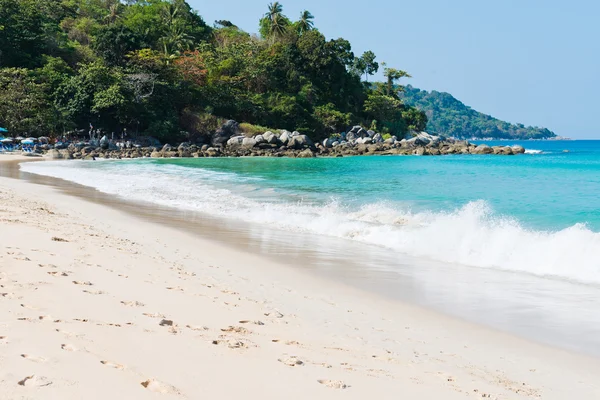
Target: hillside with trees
[447, 115]
[156, 68]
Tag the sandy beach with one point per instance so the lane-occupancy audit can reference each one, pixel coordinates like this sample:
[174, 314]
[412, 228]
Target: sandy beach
[96, 303]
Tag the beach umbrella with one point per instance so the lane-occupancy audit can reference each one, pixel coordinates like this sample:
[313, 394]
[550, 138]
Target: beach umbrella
[6, 141]
[26, 141]
[3, 130]
[19, 138]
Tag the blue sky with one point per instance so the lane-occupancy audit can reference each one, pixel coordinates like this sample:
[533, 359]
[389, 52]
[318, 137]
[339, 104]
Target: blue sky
[529, 61]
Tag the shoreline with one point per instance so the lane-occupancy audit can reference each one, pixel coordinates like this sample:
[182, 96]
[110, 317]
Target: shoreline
[323, 312]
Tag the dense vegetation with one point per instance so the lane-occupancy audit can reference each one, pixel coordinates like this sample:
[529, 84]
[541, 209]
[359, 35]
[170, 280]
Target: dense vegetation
[155, 67]
[451, 117]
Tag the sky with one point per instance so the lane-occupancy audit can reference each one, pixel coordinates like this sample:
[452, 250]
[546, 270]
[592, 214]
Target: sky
[535, 62]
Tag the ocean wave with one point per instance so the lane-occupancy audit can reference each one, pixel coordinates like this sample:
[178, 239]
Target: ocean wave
[533, 151]
[472, 235]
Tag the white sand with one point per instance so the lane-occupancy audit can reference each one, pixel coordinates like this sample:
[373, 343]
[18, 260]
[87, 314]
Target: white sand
[97, 304]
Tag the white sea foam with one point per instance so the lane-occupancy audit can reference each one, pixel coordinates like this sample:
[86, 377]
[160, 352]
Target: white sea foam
[533, 151]
[472, 235]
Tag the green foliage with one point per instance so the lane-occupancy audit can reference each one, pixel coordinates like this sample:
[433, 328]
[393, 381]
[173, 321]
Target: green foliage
[253, 130]
[449, 116]
[23, 103]
[154, 67]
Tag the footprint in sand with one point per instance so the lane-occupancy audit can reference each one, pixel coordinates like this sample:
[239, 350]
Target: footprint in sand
[3, 340]
[57, 273]
[333, 384]
[29, 307]
[33, 380]
[197, 328]
[252, 322]
[66, 333]
[86, 283]
[154, 315]
[133, 303]
[237, 329]
[33, 358]
[94, 292]
[159, 387]
[68, 347]
[112, 365]
[292, 361]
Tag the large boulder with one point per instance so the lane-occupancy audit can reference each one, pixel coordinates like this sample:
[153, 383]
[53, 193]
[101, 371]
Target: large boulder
[270, 137]
[285, 137]
[328, 143]
[235, 141]
[482, 149]
[104, 143]
[377, 138]
[226, 131]
[518, 149]
[259, 139]
[351, 136]
[248, 142]
[54, 155]
[299, 142]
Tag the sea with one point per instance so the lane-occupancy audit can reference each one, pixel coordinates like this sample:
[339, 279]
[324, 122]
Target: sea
[512, 242]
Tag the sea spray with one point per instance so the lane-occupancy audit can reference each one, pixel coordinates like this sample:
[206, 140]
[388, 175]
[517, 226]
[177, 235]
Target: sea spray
[472, 234]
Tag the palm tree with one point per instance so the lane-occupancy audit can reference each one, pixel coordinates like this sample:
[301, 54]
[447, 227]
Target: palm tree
[306, 21]
[175, 42]
[113, 13]
[276, 19]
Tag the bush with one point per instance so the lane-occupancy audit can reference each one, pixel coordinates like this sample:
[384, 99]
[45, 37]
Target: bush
[253, 130]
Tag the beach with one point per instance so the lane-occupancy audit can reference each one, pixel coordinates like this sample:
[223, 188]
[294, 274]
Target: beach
[98, 303]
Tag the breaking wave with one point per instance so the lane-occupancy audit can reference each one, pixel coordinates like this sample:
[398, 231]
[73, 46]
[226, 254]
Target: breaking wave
[472, 235]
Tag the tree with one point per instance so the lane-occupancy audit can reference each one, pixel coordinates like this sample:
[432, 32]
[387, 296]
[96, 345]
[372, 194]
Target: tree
[114, 42]
[392, 75]
[24, 107]
[274, 23]
[22, 41]
[306, 22]
[370, 65]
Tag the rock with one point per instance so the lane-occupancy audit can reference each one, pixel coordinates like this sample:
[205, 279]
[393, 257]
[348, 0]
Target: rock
[167, 147]
[259, 139]
[306, 154]
[300, 141]
[104, 143]
[226, 131]
[234, 142]
[335, 144]
[248, 142]
[355, 129]
[213, 152]
[66, 154]
[54, 155]
[328, 143]
[285, 137]
[295, 133]
[419, 151]
[270, 137]
[377, 138]
[351, 136]
[518, 149]
[482, 149]
[362, 133]
[371, 133]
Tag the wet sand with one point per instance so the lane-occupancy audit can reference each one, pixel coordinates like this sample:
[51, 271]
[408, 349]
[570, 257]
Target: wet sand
[147, 305]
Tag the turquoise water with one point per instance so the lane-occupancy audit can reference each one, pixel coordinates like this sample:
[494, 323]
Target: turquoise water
[537, 213]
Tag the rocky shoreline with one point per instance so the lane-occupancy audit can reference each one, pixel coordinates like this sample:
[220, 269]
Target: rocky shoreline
[229, 142]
